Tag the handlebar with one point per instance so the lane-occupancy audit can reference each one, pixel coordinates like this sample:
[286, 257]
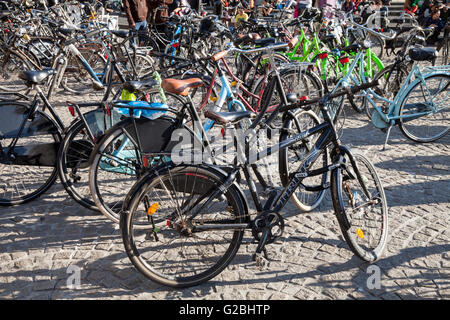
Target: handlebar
[348, 90]
[382, 35]
[266, 48]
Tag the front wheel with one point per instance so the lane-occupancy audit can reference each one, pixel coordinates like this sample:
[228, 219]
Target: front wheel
[360, 206]
[177, 249]
[291, 159]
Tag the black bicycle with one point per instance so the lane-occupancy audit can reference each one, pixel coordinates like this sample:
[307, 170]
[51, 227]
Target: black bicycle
[196, 215]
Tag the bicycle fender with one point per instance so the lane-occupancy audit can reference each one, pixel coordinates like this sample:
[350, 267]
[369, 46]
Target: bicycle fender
[13, 115]
[137, 188]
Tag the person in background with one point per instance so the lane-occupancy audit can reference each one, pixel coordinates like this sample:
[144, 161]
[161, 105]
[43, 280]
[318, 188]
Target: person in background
[436, 22]
[266, 8]
[241, 16]
[300, 6]
[136, 12]
[218, 7]
[348, 6]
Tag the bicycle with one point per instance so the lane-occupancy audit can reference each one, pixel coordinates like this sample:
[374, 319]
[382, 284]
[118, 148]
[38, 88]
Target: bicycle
[196, 215]
[421, 97]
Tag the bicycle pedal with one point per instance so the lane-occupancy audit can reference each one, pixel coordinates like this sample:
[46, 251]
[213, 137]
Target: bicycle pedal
[260, 260]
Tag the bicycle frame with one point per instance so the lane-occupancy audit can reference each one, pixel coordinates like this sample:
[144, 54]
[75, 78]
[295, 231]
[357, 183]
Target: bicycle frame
[394, 105]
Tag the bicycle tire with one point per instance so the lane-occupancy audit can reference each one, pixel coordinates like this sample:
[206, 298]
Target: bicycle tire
[214, 253]
[11, 179]
[73, 164]
[305, 200]
[409, 124]
[17, 85]
[347, 196]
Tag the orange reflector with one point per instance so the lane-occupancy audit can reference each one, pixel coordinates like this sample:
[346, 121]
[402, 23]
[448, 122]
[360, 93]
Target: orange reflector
[360, 233]
[152, 209]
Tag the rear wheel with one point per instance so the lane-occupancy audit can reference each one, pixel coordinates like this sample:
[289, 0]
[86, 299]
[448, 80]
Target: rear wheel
[166, 243]
[20, 183]
[423, 99]
[73, 164]
[9, 73]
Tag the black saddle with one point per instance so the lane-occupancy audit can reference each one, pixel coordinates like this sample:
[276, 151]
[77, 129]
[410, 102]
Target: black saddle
[227, 117]
[36, 77]
[352, 48]
[264, 42]
[422, 54]
[328, 37]
[66, 32]
[133, 86]
[120, 33]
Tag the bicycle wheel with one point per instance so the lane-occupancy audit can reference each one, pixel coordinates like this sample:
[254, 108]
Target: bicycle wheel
[302, 83]
[117, 162]
[172, 250]
[423, 98]
[77, 80]
[9, 74]
[291, 159]
[360, 206]
[377, 44]
[73, 164]
[29, 172]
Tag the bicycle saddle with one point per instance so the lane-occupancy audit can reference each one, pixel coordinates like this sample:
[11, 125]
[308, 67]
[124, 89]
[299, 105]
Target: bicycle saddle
[352, 48]
[264, 42]
[228, 117]
[328, 37]
[120, 33]
[35, 77]
[133, 86]
[66, 32]
[181, 87]
[422, 54]
[246, 38]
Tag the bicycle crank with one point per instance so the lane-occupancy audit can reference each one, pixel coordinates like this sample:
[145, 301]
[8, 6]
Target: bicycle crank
[266, 228]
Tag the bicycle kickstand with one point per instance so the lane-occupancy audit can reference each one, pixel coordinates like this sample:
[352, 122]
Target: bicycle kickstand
[259, 258]
[388, 132]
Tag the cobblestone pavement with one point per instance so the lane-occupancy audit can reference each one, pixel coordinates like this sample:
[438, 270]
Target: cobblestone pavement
[41, 240]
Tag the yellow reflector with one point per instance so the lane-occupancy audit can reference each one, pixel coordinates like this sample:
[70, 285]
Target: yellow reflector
[360, 233]
[152, 209]
[213, 99]
[233, 83]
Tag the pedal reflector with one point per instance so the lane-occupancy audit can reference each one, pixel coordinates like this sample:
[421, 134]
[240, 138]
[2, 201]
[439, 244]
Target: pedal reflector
[360, 233]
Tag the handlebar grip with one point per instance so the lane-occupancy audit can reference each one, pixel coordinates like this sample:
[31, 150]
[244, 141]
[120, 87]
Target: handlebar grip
[364, 86]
